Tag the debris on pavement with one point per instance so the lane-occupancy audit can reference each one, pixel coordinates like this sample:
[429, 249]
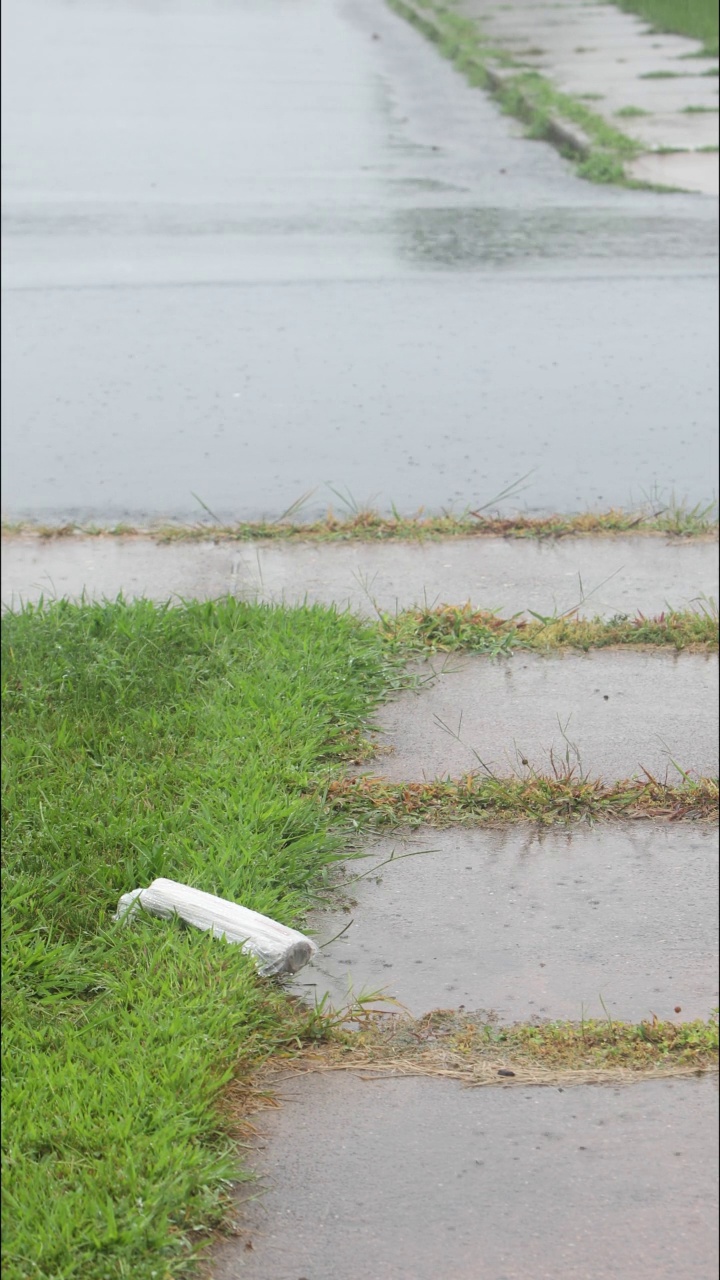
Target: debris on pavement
[276, 948]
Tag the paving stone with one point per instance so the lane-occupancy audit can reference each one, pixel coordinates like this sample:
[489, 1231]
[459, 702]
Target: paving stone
[418, 1179]
[608, 713]
[528, 923]
[603, 576]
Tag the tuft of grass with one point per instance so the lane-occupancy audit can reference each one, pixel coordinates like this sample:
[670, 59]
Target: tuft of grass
[449, 628]
[529, 96]
[602, 168]
[139, 741]
[631, 113]
[488, 801]
[694, 18]
[474, 1048]
[674, 519]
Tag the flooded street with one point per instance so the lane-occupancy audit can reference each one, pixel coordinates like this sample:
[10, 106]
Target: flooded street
[252, 251]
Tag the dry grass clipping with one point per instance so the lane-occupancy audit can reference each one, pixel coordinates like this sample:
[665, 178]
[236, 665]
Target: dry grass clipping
[492, 801]
[475, 1050]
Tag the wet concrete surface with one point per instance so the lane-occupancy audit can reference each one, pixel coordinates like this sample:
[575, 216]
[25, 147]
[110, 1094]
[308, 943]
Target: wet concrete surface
[527, 923]
[688, 169]
[417, 1179]
[251, 250]
[602, 576]
[607, 713]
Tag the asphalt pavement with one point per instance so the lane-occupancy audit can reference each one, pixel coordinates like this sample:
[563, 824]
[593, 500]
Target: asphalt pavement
[263, 250]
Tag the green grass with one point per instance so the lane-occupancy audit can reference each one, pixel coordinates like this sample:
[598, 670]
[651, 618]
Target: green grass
[695, 18]
[142, 741]
[630, 113]
[462, 627]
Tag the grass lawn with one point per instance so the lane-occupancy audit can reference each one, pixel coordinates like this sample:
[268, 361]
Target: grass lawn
[698, 18]
[142, 741]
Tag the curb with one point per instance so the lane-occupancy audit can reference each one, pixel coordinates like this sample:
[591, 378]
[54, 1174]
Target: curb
[566, 137]
[557, 131]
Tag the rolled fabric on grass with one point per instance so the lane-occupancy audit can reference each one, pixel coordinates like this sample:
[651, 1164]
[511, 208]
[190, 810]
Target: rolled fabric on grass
[276, 948]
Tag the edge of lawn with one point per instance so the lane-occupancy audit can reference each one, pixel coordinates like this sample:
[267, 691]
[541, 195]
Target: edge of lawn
[140, 741]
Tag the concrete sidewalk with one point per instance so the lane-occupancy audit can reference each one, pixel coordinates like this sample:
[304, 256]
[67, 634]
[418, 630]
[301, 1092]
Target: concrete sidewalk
[609, 714]
[600, 576]
[421, 1179]
[656, 88]
[529, 922]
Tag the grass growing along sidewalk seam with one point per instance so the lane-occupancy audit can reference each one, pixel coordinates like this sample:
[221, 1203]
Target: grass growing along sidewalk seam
[599, 149]
[674, 520]
[495, 801]
[453, 628]
[475, 1049]
[142, 741]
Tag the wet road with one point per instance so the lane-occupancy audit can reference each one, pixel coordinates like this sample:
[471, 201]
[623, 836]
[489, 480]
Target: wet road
[251, 251]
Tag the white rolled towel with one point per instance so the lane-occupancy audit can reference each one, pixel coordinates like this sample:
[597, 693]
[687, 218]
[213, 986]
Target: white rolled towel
[276, 948]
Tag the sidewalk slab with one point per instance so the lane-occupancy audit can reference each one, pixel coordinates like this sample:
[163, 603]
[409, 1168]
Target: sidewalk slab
[609, 713]
[529, 923]
[604, 576]
[418, 1179]
[689, 170]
